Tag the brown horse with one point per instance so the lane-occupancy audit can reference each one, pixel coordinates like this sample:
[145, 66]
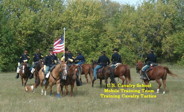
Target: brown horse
[123, 72]
[156, 73]
[70, 80]
[24, 73]
[87, 69]
[103, 73]
[53, 79]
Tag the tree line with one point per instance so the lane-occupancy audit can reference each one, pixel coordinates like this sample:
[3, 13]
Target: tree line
[92, 26]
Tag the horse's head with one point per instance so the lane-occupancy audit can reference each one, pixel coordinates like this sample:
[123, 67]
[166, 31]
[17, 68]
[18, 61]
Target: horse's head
[139, 66]
[63, 67]
[41, 62]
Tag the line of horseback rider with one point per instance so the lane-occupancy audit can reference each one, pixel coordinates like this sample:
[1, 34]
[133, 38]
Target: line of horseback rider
[51, 59]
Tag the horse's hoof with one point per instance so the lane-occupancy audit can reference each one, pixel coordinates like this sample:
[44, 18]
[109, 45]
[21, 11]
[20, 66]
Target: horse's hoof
[58, 95]
[157, 90]
[163, 92]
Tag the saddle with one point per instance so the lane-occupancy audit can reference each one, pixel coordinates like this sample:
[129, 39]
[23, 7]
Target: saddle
[149, 69]
[152, 65]
[100, 70]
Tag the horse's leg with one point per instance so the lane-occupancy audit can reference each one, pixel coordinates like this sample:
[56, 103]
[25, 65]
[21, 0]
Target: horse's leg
[93, 82]
[91, 75]
[164, 84]
[146, 83]
[71, 92]
[26, 81]
[50, 87]
[86, 75]
[45, 91]
[100, 82]
[159, 85]
[22, 81]
[106, 81]
[62, 89]
[123, 79]
[58, 89]
[66, 87]
[42, 90]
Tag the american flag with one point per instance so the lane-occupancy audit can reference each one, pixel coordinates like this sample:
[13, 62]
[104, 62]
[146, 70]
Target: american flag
[59, 45]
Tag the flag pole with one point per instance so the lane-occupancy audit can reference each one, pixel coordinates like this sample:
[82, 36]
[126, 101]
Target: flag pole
[64, 40]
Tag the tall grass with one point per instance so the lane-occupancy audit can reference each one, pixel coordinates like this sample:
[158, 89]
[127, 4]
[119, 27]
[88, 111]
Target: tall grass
[13, 98]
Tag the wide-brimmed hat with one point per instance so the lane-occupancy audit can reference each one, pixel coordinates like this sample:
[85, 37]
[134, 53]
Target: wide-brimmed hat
[25, 51]
[115, 49]
[50, 49]
[103, 52]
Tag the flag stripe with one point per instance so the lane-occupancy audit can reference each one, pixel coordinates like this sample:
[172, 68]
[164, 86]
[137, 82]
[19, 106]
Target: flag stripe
[59, 45]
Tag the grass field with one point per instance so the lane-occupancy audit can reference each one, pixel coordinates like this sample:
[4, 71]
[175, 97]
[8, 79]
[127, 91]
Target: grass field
[13, 98]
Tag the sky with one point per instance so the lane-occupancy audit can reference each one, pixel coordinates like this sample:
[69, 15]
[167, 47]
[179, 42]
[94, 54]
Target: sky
[130, 2]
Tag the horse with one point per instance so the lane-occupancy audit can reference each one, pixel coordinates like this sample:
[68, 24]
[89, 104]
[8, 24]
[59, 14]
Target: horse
[156, 73]
[102, 73]
[123, 72]
[54, 78]
[87, 69]
[38, 66]
[70, 80]
[24, 73]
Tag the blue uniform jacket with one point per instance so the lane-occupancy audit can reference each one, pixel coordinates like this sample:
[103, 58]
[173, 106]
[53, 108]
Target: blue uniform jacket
[116, 58]
[80, 58]
[151, 58]
[37, 57]
[103, 60]
[49, 60]
[24, 57]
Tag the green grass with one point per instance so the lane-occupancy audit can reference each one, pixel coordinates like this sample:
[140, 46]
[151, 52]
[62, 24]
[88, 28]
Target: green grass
[13, 98]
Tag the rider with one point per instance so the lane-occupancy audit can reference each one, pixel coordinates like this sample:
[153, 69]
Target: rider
[67, 57]
[37, 56]
[116, 58]
[151, 58]
[49, 61]
[103, 61]
[23, 58]
[80, 60]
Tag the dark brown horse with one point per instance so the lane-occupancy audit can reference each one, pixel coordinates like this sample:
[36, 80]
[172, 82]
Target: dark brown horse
[123, 72]
[87, 69]
[70, 80]
[24, 73]
[103, 73]
[156, 73]
[38, 66]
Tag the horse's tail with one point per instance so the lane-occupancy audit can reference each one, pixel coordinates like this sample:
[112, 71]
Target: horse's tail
[128, 74]
[169, 72]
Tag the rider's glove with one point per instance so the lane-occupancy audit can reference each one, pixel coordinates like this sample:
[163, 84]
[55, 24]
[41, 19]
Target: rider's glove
[18, 63]
[44, 68]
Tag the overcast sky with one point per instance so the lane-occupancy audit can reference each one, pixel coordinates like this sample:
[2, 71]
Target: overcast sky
[131, 2]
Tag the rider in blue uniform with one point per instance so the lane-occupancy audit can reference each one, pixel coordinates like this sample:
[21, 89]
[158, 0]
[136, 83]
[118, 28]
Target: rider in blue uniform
[49, 61]
[37, 56]
[80, 60]
[116, 58]
[150, 59]
[103, 61]
[23, 58]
